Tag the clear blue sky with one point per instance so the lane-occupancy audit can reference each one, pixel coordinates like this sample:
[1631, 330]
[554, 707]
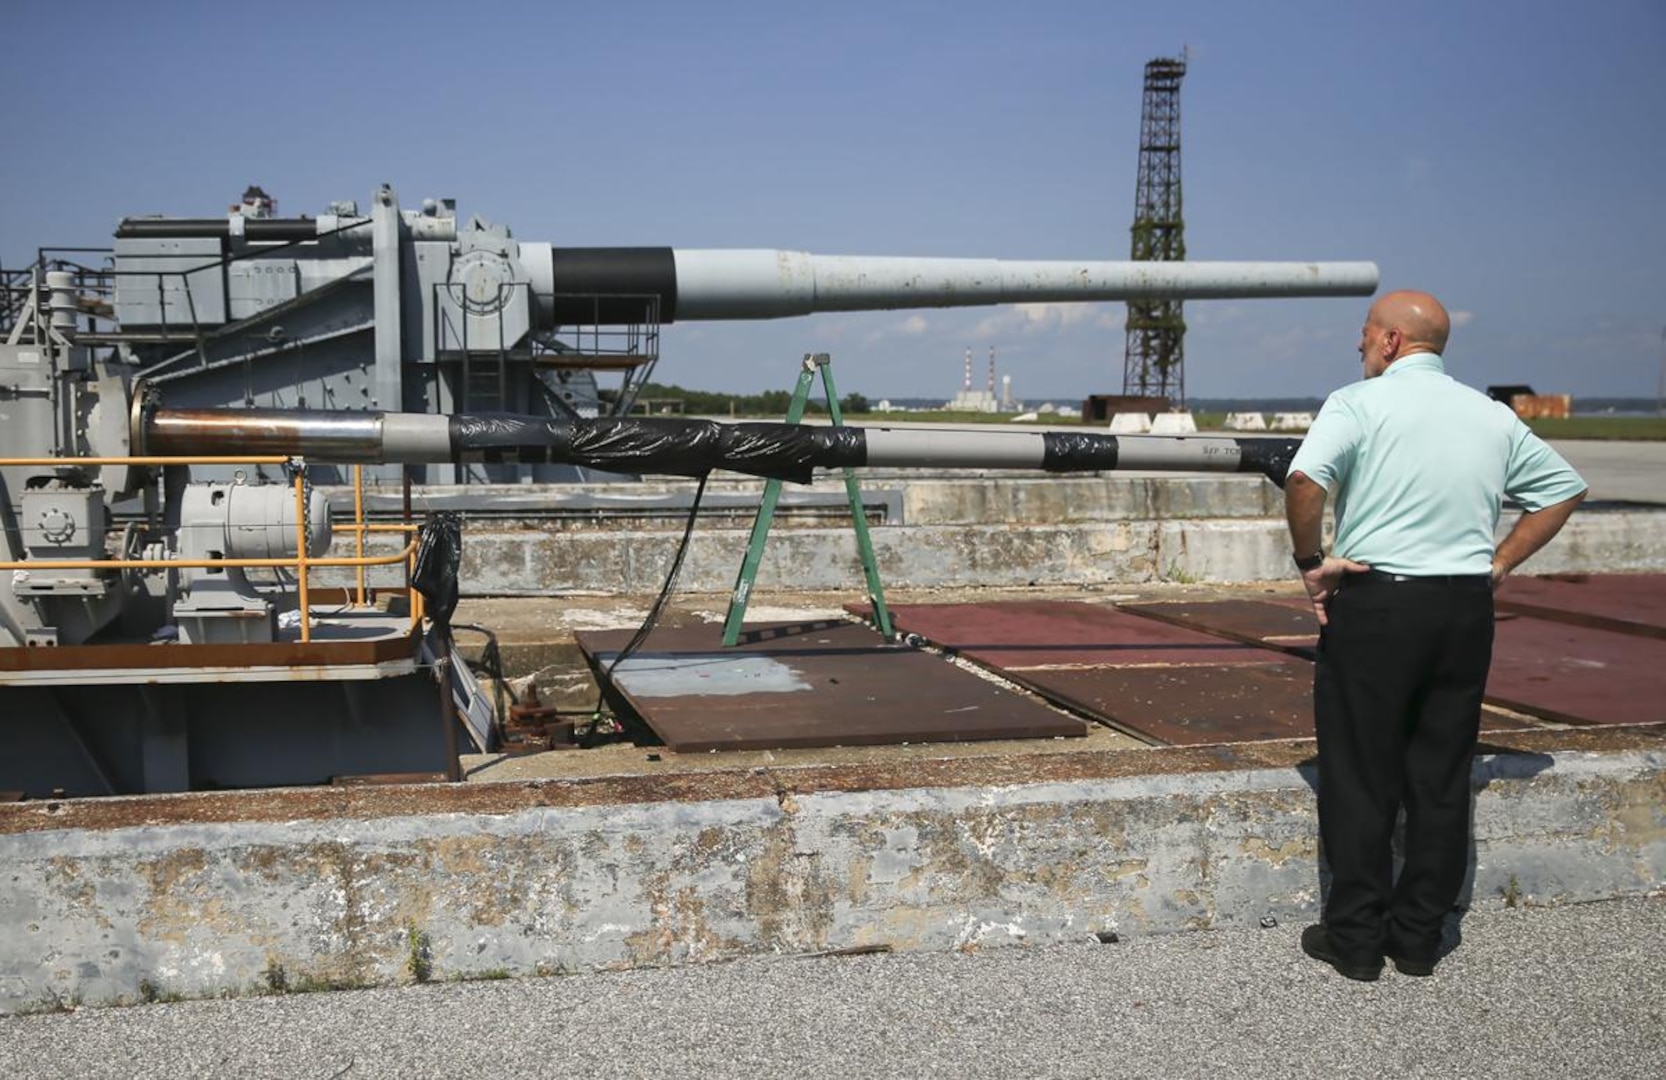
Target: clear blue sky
[1508, 156]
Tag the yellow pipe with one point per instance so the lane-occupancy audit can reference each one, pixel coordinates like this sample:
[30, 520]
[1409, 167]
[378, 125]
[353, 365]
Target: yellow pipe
[300, 563]
[371, 527]
[358, 521]
[267, 459]
[301, 550]
[202, 564]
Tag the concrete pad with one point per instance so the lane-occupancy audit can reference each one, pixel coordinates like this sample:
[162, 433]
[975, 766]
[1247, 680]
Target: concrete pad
[219, 893]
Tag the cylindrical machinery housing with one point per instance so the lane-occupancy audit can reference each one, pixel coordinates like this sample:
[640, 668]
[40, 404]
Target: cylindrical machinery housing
[250, 521]
[61, 300]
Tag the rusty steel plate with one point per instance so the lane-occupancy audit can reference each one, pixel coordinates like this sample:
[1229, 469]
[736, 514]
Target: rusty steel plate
[1287, 626]
[1016, 635]
[1194, 705]
[1577, 674]
[818, 683]
[1628, 603]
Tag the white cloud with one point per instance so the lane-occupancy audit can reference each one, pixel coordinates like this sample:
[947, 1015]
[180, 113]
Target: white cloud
[1295, 338]
[915, 324]
[1048, 318]
[1462, 318]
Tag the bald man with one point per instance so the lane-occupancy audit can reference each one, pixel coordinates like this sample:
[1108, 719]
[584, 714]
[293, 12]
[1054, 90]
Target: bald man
[1417, 466]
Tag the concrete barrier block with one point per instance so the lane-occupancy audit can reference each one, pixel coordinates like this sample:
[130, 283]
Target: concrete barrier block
[1246, 421]
[1173, 423]
[1130, 424]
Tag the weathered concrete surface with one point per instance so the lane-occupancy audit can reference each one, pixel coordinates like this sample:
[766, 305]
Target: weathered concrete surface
[121, 899]
[958, 530]
[528, 559]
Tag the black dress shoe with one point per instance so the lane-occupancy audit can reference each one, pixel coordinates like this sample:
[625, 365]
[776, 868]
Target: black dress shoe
[1316, 943]
[1407, 965]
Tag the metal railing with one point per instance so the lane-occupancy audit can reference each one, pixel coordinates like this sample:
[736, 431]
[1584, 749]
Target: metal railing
[300, 563]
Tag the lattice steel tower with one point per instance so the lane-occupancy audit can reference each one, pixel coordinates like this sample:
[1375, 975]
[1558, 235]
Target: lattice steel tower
[1154, 362]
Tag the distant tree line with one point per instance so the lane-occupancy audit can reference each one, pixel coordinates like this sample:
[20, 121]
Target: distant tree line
[712, 403]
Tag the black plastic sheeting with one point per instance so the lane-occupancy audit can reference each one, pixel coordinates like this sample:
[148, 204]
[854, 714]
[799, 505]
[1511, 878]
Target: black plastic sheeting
[774, 451]
[1269, 457]
[438, 559]
[662, 446]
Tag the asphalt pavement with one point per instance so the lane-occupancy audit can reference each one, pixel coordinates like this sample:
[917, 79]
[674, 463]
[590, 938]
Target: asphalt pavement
[1531, 992]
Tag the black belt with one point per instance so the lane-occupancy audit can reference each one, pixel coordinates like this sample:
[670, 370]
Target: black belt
[1383, 577]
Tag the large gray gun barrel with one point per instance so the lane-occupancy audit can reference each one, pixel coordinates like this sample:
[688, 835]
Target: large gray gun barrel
[682, 447]
[694, 284]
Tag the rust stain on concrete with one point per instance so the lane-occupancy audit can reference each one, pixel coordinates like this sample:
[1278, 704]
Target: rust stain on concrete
[1636, 815]
[1300, 848]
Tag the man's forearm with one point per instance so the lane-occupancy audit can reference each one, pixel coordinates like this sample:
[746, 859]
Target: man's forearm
[1532, 532]
[1304, 512]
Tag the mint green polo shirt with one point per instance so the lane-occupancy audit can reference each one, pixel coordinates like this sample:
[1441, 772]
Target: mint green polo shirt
[1417, 465]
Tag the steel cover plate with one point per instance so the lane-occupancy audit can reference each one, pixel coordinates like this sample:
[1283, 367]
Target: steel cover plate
[1152, 679]
[1628, 603]
[818, 683]
[1577, 674]
[1288, 626]
[1022, 634]
[1192, 704]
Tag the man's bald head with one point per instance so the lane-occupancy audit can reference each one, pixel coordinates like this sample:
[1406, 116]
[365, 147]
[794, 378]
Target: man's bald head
[1401, 323]
[1419, 317]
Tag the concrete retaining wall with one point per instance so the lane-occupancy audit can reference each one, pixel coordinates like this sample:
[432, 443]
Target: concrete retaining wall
[118, 899]
[531, 559]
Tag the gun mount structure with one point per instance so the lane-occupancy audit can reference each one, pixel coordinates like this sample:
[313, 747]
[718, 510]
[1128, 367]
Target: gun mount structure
[418, 311]
[156, 629]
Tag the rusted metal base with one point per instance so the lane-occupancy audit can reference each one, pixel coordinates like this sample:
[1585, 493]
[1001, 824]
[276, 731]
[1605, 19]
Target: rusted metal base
[1060, 633]
[1189, 704]
[818, 683]
[1163, 680]
[1626, 603]
[1576, 674]
[1287, 626]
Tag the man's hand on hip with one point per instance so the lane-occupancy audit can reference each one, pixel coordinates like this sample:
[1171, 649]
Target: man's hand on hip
[1323, 580]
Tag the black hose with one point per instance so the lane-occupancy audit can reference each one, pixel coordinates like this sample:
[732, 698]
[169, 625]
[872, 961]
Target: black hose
[605, 676]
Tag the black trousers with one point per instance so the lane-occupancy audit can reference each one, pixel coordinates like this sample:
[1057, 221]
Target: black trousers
[1397, 691]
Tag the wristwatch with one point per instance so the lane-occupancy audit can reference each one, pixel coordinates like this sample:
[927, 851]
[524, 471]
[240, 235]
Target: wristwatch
[1304, 563]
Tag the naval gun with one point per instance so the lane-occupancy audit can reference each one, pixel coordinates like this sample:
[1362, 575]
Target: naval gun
[421, 311]
[150, 640]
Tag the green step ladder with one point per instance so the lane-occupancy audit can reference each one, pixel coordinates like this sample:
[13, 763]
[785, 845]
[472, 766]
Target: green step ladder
[814, 363]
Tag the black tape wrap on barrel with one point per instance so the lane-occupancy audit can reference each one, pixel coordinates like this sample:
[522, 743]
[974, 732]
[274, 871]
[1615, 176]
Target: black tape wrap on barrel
[1078, 451]
[660, 446]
